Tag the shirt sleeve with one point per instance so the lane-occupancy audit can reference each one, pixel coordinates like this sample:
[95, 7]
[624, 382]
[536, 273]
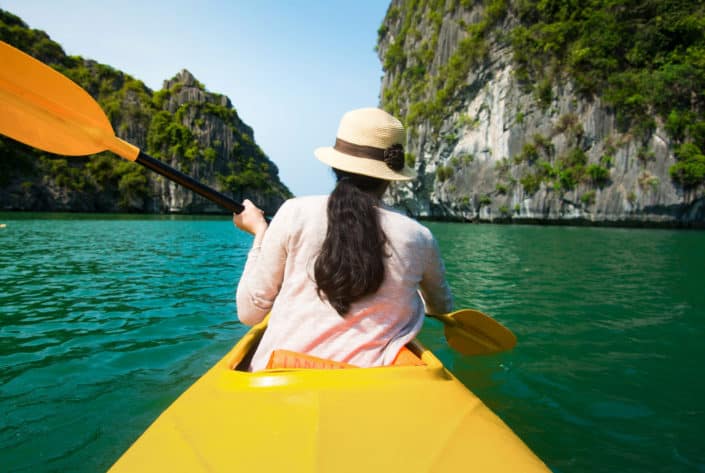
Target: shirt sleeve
[434, 288]
[262, 277]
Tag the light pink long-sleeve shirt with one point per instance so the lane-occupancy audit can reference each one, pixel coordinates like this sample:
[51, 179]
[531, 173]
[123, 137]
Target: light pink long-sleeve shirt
[278, 279]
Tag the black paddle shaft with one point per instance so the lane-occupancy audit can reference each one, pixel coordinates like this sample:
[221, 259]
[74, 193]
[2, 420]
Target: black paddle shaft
[189, 182]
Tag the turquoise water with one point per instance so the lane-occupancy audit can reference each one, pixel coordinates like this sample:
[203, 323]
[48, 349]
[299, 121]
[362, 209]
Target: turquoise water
[104, 320]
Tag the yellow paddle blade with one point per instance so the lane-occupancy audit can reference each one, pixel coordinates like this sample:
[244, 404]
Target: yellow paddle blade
[44, 109]
[471, 332]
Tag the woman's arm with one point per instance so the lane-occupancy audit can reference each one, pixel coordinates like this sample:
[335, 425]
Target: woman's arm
[434, 287]
[264, 270]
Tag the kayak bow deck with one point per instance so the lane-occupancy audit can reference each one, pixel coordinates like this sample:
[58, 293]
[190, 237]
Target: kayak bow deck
[408, 418]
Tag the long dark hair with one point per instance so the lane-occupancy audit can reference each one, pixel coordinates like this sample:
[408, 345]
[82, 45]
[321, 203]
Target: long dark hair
[351, 262]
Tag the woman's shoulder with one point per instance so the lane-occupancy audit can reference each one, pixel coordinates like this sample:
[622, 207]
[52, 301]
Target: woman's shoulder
[309, 200]
[401, 224]
[303, 204]
[300, 211]
[299, 214]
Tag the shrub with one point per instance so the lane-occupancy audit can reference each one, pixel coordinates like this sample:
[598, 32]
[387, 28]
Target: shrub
[467, 158]
[677, 123]
[410, 159]
[588, 198]
[132, 187]
[689, 171]
[529, 154]
[696, 131]
[566, 122]
[467, 122]
[568, 178]
[607, 160]
[648, 180]
[687, 152]
[545, 169]
[543, 143]
[598, 174]
[450, 138]
[544, 92]
[443, 173]
[209, 154]
[645, 154]
[502, 166]
[575, 157]
[382, 31]
[530, 183]
[395, 56]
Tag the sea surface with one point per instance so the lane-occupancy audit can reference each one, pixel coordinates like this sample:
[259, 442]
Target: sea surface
[106, 319]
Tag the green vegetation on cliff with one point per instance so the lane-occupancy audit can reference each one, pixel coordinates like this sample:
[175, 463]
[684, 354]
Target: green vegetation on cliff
[417, 92]
[644, 58]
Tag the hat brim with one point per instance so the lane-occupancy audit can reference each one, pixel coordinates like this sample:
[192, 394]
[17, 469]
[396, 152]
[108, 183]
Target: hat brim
[364, 166]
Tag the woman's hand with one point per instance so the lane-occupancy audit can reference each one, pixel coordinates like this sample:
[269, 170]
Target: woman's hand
[251, 219]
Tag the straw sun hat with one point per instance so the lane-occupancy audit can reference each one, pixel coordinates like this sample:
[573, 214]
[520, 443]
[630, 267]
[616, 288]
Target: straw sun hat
[369, 142]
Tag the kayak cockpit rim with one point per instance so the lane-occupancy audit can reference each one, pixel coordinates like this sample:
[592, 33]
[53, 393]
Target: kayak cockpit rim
[238, 360]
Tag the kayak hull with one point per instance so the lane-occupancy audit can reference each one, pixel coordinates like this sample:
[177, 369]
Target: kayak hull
[411, 418]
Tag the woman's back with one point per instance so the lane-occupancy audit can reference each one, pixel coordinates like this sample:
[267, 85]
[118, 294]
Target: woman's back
[376, 326]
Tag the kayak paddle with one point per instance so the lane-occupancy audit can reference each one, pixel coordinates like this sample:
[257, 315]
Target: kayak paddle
[43, 108]
[470, 332]
[46, 110]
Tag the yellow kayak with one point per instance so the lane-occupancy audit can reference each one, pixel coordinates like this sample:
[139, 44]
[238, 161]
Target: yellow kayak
[389, 419]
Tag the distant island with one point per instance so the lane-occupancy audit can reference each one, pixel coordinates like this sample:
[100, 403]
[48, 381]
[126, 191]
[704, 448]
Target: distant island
[183, 124]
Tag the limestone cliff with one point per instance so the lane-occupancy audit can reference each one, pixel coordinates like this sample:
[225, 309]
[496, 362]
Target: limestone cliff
[183, 124]
[492, 142]
[201, 134]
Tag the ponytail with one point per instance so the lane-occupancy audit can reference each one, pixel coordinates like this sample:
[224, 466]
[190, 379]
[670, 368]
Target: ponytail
[351, 262]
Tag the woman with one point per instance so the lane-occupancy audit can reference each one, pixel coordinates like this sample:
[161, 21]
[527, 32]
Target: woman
[343, 275]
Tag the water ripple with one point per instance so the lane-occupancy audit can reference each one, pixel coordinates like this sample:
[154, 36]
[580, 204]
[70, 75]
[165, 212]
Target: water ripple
[104, 323]
[106, 320]
[606, 374]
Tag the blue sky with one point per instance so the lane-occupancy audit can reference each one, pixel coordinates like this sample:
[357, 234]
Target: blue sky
[291, 68]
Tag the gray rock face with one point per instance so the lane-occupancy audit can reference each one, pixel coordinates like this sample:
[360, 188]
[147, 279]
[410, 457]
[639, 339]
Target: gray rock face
[499, 134]
[214, 125]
